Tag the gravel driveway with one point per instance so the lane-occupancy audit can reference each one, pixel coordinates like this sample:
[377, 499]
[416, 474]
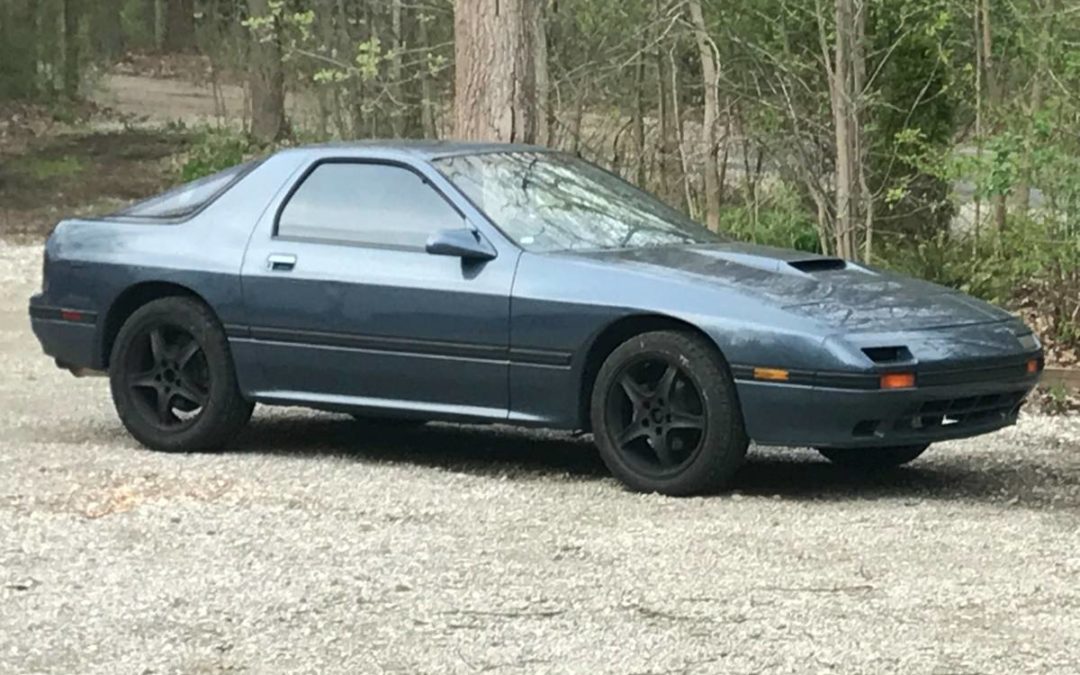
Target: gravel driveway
[317, 544]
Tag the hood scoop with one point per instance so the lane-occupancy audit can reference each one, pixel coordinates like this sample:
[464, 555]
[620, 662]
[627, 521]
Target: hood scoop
[812, 265]
[790, 263]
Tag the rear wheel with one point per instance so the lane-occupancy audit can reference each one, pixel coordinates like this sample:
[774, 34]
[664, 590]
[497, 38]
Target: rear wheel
[172, 378]
[873, 458]
[666, 416]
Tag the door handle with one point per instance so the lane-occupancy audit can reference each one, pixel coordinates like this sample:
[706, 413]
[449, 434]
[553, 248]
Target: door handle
[280, 262]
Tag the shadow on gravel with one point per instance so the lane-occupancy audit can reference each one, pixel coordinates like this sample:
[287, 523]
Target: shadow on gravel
[1020, 482]
[795, 474]
[481, 450]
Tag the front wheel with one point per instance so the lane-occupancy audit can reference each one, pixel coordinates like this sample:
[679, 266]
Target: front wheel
[666, 416]
[172, 378]
[873, 458]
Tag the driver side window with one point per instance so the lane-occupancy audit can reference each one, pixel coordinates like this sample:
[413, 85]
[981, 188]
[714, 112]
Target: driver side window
[366, 203]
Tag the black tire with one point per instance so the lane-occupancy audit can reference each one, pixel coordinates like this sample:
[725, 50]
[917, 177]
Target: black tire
[172, 378]
[873, 458]
[681, 435]
[391, 422]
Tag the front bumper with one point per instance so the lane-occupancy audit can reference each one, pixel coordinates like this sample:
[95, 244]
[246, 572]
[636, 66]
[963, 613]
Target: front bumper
[814, 416]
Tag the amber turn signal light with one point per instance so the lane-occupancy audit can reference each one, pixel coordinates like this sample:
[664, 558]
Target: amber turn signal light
[1033, 366]
[898, 380]
[774, 374]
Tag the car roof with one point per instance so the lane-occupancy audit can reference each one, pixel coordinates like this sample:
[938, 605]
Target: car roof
[424, 149]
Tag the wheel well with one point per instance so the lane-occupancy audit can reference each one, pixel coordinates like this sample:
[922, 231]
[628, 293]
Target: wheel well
[132, 299]
[614, 335]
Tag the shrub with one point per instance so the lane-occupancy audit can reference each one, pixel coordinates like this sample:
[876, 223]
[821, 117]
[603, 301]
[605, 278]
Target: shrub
[214, 150]
[778, 219]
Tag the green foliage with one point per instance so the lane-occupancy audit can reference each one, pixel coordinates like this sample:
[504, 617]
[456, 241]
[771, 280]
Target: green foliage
[46, 168]
[1028, 264]
[778, 220]
[949, 260]
[1057, 400]
[912, 110]
[213, 151]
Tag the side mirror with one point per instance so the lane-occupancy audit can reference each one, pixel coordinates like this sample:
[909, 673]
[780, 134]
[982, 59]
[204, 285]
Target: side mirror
[461, 242]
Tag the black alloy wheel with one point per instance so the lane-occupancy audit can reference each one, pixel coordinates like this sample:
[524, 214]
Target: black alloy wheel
[172, 377]
[665, 415]
[168, 376]
[656, 416]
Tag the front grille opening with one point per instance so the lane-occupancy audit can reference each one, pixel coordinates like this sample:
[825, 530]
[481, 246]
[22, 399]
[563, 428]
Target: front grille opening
[866, 428]
[884, 355]
[962, 412]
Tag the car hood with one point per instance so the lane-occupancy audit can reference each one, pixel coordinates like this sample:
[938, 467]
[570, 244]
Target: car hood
[830, 290]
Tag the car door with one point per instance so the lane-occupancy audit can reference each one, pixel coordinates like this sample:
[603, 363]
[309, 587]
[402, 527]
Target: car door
[346, 308]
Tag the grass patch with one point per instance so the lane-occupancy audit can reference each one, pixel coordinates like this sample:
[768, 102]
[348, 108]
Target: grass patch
[48, 168]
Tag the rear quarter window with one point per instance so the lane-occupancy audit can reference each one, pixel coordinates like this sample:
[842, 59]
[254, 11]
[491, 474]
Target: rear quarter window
[185, 200]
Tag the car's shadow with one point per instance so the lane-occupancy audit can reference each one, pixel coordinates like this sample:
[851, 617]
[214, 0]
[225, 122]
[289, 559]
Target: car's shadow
[532, 454]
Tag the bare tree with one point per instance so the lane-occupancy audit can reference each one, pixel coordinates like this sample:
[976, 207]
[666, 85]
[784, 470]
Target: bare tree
[669, 150]
[843, 72]
[993, 99]
[495, 94]
[427, 102]
[710, 76]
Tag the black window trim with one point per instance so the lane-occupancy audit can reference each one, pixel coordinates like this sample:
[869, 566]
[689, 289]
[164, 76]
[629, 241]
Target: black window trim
[275, 236]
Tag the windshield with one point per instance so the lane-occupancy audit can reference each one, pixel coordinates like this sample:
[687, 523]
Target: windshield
[549, 201]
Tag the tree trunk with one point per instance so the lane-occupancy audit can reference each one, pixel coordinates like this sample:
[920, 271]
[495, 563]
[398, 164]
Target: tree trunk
[71, 48]
[18, 35]
[711, 116]
[993, 88]
[179, 25]
[394, 86]
[106, 29]
[667, 151]
[267, 82]
[846, 79]
[494, 70]
[639, 120]
[838, 93]
[978, 118]
[427, 103]
[684, 166]
[159, 24]
[538, 26]
[862, 158]
[1044, 42]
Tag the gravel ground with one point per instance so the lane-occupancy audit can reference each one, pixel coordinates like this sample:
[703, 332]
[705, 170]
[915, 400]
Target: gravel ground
[318, 545]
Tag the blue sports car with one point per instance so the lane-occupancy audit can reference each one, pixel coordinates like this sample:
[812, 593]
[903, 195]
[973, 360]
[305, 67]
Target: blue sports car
[404, 283]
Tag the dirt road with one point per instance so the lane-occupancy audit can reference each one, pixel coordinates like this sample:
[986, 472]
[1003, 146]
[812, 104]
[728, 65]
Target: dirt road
[319, 545]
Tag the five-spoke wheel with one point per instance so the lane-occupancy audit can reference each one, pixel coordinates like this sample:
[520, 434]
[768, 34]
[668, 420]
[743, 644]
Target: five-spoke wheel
[665, 414]
[172, 377]
[657, 412]
[169, 377]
